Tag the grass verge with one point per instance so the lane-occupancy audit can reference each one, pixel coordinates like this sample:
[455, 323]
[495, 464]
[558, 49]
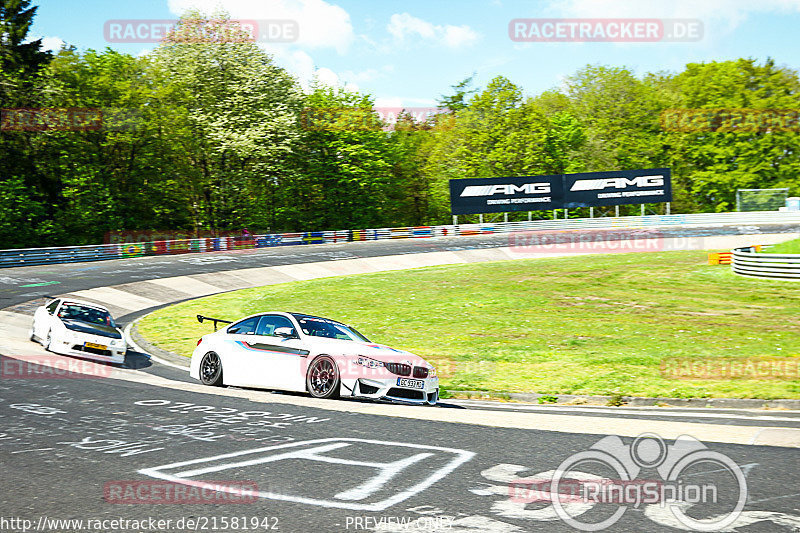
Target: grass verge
[594, 324]
[788, 247]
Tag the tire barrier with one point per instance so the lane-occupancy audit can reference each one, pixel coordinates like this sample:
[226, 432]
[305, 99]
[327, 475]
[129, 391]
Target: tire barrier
[103, 252]
[750, 261]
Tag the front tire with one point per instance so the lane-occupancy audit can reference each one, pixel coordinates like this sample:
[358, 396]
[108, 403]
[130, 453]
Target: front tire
[211, 370]
[322, 380]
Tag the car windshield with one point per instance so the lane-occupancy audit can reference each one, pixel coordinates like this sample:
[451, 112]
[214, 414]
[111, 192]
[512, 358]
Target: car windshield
[322, 327]
[83, 313]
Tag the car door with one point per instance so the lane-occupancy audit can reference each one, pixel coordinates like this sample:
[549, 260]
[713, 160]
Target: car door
[277, 362]
[42, 318]
[237, 360]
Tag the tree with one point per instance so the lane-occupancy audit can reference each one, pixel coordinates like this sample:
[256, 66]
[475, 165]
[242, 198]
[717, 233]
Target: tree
[344, 165]
[20, 60]
[723, 156]
[458, 100]
[234, 127]
[20, 64]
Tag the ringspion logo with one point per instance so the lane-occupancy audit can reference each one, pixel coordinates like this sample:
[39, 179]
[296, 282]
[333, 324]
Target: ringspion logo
[701, 489]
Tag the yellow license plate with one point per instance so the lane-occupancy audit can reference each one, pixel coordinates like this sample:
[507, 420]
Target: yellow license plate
[95, 346]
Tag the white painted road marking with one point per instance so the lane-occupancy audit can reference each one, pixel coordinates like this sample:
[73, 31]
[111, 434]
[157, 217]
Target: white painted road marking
[440, 463]
[632, 411]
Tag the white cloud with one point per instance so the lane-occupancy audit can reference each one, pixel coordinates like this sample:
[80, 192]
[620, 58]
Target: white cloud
[302, 66]
[321, 25]
[370, 74]
[52, 43]
[298, 63]
[328, 77]
[404, 102]
[458, 36]
[389, 101]
[402, 26]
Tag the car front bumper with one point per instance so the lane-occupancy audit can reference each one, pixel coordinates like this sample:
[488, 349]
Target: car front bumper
[76, 346]
[391, 390]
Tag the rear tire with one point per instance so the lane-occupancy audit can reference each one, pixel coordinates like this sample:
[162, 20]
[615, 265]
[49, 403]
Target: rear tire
[211, 370]
[47, 342]
[322, 379]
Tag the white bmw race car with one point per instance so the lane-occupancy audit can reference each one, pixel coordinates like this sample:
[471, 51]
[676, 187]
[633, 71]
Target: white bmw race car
[71, 327]
[303, 353]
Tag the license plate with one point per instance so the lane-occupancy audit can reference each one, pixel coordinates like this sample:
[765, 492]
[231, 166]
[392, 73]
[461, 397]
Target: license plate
[410, 383]
[95, 346]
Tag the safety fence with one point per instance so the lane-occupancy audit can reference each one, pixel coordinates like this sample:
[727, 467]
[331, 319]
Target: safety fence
[102, 252]
[751, 261]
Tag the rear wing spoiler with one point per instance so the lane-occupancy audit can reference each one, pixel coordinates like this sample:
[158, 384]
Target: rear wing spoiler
[201, 318]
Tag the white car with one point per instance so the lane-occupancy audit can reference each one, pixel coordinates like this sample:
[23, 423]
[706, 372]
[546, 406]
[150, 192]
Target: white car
[304, 353]
[72, 327]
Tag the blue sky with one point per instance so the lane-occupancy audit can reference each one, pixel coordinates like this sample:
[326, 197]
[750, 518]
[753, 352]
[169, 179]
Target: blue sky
[408, 53]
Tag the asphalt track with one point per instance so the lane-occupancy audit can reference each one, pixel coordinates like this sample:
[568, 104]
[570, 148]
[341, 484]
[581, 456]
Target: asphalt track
[70, 448]
[20, 284]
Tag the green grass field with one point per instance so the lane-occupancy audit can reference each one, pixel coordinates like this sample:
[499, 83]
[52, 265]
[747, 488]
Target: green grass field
[598, 324]
[788, 247]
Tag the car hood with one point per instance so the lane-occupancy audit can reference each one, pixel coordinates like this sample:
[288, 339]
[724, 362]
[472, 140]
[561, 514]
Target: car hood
[93, 329]
[372, 350]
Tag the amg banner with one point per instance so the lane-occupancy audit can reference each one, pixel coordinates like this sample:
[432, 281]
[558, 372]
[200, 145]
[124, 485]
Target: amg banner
[592, 189]
[498, 195]
[537, 193]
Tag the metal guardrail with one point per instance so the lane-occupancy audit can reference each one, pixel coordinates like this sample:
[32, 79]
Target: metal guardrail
[103, 252]
[748, 261]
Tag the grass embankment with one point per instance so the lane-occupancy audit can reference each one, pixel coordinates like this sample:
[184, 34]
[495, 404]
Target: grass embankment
[581, 325]
[788, 247]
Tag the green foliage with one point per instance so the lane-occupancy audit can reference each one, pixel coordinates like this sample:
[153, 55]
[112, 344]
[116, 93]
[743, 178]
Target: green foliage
[207, 133]
[547, 399]
[788, 247]
[715, 164]
[616, 400]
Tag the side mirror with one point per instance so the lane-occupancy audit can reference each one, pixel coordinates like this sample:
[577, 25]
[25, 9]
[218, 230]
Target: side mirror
[286, 333]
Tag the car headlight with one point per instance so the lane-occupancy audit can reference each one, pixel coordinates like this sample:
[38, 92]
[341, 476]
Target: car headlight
[432, 372]
[369, 363]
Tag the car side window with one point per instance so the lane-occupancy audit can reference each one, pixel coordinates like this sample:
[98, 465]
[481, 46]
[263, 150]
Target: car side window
[51, 307]
[269, 323]
[245, 327]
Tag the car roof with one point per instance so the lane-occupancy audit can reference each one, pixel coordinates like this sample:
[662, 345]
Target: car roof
[297, 316]
[81, 302]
